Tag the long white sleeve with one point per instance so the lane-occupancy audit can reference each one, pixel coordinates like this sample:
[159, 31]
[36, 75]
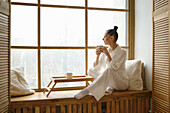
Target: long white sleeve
[101, 64]
[116, 62]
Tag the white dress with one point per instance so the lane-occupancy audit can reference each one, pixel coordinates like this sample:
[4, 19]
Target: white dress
[107, 74]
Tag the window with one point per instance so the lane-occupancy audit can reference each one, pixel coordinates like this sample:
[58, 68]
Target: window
[52, 37]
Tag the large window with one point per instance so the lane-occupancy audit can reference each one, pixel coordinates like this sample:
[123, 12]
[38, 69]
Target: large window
[52, 37]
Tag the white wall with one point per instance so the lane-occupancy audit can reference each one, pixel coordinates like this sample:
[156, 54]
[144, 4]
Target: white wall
[143, 36]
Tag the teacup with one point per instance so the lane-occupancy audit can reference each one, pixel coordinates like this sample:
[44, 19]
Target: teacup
[69, 75]
[98, 47]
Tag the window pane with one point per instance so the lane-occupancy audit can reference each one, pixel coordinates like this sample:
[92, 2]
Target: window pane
[62, 27]
[28, 59]
[58, 62]
[64, 2]
[23, 25]
[100, 21]
[25, 1]
[117, 4]
[91, 57]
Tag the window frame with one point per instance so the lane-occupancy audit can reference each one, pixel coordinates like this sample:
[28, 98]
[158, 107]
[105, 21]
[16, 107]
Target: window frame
[131, 34]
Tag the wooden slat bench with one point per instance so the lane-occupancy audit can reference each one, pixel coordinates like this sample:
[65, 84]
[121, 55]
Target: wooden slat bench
[56, 80]
[64, 102]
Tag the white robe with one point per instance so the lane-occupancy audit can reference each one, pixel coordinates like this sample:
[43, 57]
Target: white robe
[113, 74]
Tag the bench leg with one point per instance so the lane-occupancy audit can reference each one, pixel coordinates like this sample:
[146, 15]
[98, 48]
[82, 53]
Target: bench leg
[50, 90]
[87, 82]
[47, 86]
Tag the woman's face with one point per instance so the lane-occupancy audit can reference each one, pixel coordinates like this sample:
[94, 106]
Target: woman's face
[108, 39]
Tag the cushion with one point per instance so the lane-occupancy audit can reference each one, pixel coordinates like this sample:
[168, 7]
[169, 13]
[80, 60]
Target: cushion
[133, 68]
[19, 85]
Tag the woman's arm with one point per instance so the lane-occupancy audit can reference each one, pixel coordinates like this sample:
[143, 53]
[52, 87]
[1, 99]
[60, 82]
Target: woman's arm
[100, 62]
[117, 61]
[97, 60]
[105, 51]
[109, 57]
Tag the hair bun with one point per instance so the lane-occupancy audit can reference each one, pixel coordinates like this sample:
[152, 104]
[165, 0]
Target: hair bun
[115, 28]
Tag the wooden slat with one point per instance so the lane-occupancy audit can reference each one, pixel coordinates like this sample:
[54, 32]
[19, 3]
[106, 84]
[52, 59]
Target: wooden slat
[79, 108]
[4, 39]
[161, 28]
[162, 77]
[113, 110]
[90, 107]
[161, 86]
[69, 108]
[30, 110]
[5, 26]
[160, 23]
[5, 109]
[99, 107]
[159, 3]
[117, 106]
[5, 31]
[122, 106]
[84, 108]
[4, 16]
[161, 91]
[18, 110]
[63, 109]
[37, 110]
[139, 105]
[108, 109]
[48, 109]
[126, 107]
[5, 94]
[24, 110]
[53, 109]
[94, 107]
[74, 108]
[2, 19]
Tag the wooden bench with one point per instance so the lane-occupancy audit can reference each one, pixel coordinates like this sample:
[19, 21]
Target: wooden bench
[64, 102]
[56, 80]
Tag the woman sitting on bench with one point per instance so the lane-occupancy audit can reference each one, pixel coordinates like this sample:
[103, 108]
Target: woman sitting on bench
[113, 62]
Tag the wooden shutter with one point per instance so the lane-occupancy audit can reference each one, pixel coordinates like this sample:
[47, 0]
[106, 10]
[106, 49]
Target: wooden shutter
[161, 57]
[4, 57]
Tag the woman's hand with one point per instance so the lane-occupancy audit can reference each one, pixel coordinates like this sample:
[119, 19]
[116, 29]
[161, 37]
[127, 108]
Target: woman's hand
[104, 50]
[98, 51]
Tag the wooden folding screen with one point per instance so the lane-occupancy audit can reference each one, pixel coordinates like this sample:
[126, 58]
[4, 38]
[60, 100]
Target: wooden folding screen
[161, 56]
[4, 57]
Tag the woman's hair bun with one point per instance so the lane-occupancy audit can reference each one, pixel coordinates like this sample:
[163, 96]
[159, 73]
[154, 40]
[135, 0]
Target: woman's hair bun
[115, 28]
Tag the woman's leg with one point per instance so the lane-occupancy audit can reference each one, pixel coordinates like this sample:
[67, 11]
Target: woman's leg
[98, 87]
[93, 73]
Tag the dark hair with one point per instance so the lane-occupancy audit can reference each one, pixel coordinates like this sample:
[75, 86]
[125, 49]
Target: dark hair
[113, 32]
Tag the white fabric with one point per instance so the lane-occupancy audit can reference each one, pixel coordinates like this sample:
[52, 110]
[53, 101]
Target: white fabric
[107, 74]
[19, 86]
[134, 72]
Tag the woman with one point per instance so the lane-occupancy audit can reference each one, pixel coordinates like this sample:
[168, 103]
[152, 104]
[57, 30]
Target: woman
[113, 62]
